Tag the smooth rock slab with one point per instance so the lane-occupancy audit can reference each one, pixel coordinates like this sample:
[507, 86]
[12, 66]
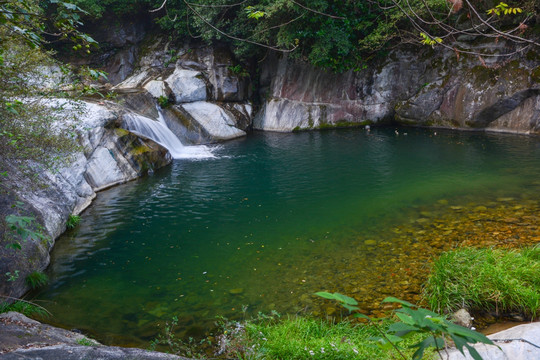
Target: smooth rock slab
[219, 124]
[517, 344]
[78, 352]
[102, 169]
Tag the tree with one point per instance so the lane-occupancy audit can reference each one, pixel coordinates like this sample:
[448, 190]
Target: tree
[28, 119]
[341, 35]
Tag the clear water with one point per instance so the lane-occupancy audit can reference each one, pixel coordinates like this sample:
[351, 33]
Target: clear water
[272, 219]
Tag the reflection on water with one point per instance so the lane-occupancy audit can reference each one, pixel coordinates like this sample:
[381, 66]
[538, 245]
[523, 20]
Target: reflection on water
[276, 217]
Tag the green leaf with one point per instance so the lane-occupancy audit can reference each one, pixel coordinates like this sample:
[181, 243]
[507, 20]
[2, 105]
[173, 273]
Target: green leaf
[473, 352]
[391, 299]
[350, 308]
[407, 319]
[345, 299]
[325, 295]
[402, 329]
[362, 316]
[14, 246]
[468, 333]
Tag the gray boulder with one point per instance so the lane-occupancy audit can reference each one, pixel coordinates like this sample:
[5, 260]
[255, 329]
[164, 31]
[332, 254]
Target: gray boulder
[518, 343]
[24, 338]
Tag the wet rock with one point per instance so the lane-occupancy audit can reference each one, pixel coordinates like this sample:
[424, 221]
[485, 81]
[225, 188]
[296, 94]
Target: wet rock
[217, 122]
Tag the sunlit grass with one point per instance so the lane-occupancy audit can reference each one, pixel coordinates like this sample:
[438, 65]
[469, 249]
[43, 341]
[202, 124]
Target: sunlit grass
[298, 337]
[486, 279]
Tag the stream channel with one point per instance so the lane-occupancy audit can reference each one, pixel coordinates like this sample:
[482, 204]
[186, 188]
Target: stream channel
[273, 218]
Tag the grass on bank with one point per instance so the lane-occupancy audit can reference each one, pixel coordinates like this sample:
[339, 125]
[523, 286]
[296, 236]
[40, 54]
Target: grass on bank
[504, 281]
[26, 308]
[297, 337]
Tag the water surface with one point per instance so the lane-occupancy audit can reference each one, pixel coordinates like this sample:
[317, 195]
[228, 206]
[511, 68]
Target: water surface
[275, 217]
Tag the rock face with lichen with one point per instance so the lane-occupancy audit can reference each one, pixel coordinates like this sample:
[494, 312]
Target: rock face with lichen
[298, 96]
[498, 95]
[109, 156]
[419, 87]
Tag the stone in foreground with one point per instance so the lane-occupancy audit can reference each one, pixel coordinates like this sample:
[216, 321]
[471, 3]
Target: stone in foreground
[518, 343]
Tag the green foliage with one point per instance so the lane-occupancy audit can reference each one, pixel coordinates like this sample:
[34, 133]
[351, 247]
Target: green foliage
[97, 8]
[296, 337]
[239, 70]
[30, 79]
[73, 221]
[252, 13]
[24, 307]
[427, 40]
[163, 101]
[503, 9]
[37, 279]
[28, 118]
[434, 330]
[25, 228]
[486, 279]
[12, 276]
[87, 342]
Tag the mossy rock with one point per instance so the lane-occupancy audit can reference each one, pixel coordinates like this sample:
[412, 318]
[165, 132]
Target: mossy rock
[535, 74]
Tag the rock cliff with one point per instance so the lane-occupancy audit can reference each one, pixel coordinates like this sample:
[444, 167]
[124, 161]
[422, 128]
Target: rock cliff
[420, 87]
[109, 156]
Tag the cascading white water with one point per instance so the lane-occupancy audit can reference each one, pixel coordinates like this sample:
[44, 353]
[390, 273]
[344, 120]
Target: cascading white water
[160, 133]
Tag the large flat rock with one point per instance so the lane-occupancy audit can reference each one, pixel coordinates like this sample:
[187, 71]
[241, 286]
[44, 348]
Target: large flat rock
[24, 338]
[518, 343]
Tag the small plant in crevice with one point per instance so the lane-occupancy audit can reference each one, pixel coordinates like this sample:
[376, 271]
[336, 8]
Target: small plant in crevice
[433, 328]
[163, 101]
[37, 279]
[25, 228]
[87, 342]
[239, 71]
[73, 220]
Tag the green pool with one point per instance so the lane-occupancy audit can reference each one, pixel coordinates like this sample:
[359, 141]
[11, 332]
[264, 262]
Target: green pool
[276, 217]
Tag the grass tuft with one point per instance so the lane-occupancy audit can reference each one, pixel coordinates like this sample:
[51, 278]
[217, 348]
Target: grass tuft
[503, 281]
[37, 279]
[24, 307]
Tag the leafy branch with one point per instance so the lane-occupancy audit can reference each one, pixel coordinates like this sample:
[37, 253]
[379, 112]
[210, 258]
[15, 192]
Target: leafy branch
[434, 329]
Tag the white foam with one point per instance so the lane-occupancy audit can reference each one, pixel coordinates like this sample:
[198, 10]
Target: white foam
[160, 133]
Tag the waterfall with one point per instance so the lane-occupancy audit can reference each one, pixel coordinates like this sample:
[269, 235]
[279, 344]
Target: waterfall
[160, 133]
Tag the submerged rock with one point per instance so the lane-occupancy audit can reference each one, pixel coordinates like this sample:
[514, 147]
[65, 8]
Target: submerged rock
[236, 291]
